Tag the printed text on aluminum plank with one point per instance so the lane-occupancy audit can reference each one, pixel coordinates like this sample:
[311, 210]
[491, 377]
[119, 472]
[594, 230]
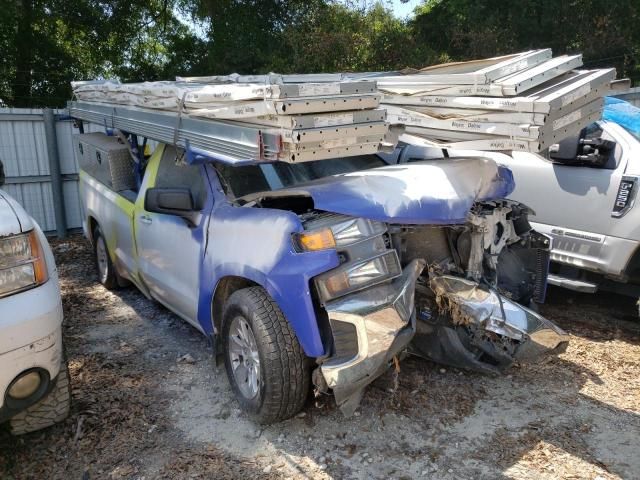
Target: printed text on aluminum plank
[554, 94]
[314, 120]
[521, 81]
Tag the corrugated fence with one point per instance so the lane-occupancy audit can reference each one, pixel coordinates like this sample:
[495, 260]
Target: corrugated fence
[24, 153]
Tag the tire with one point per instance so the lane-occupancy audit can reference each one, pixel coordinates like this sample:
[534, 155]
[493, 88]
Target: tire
[107, 275]
[282, 377]
[50, 410]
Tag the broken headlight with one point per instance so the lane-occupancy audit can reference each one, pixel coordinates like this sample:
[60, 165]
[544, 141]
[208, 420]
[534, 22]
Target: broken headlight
[365, 257]
[355, 229]
[351, 277]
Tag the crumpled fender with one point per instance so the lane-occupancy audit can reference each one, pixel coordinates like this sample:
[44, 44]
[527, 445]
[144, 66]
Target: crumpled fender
[464, 303]
[256, 244]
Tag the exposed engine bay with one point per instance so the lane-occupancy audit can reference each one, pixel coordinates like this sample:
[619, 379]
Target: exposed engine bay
[461, 295]
[478, 276]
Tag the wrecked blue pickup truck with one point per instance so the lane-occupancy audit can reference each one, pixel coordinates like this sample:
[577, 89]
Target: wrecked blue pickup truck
[325, 272]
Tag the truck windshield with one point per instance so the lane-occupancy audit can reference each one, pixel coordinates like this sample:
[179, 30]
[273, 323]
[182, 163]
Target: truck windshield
[244, 180]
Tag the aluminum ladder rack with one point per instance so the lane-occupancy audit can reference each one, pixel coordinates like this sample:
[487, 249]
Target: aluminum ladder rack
[233, 142]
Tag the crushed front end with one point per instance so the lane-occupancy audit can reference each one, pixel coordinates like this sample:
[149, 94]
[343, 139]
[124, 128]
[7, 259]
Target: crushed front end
[460, 294]
[476, 303]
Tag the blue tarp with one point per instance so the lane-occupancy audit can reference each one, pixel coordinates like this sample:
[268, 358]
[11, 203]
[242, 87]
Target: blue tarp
[622, 113]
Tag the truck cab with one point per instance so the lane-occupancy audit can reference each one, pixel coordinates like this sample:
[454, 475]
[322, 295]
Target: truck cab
[323, 272]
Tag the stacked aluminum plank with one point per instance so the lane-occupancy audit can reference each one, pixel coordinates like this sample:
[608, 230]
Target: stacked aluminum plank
[244, 121]
[523, 102]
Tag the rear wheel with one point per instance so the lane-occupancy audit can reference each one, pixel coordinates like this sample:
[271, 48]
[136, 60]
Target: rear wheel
[106, 271]
[50, 410]
[265, 364]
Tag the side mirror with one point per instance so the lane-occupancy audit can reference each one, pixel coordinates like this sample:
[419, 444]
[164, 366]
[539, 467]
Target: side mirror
[171, 201]
[579, 151]
[2, 177]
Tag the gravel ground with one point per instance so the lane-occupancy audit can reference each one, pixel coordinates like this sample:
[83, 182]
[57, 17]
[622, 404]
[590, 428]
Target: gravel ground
[148, 402]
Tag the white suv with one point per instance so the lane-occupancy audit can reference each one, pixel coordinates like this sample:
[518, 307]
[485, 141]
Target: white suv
[34, 380]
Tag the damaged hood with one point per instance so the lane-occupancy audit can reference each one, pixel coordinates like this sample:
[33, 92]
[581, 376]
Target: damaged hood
[427, 192]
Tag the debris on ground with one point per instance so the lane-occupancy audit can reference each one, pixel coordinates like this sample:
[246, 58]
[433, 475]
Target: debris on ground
[186, 358]
[139, 411]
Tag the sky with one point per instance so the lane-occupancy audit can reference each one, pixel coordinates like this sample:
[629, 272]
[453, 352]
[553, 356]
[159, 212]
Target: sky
[399, 9]
[404, 9]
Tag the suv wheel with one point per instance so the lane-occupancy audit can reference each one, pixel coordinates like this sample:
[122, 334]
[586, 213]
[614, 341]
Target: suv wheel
[265, 364]
[50, 410]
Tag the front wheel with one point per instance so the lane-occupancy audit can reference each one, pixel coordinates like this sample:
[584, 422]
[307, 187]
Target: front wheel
[265, 364]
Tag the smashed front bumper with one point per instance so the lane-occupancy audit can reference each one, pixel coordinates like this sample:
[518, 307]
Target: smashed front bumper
[501, 328]
[383, 320]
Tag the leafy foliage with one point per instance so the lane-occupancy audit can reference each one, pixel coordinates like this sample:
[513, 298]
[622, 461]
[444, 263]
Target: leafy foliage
[334, 37]
[607, 33]
[48, 43]
[257, 36]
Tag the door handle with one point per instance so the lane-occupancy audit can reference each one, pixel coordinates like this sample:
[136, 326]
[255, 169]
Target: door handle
[145, 219]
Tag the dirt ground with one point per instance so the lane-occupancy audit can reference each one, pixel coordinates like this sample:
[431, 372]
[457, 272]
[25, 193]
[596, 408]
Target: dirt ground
[148, 402]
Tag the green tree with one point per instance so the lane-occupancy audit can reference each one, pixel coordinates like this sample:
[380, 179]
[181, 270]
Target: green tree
[246, 36]
[607, 33]
[48, 43]
[252, 36]
[336, 37]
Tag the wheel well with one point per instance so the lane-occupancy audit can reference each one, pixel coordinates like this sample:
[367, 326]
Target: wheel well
[632, 270]
[93, 223]
[225, 288]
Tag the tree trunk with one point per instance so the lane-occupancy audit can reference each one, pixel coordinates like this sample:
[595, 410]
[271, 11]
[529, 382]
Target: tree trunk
[22, 84]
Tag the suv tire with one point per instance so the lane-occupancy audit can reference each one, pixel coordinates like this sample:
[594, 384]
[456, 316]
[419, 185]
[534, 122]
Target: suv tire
[50, 410]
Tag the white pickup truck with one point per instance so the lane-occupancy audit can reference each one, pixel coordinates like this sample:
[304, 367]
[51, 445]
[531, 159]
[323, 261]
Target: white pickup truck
[583, 196]
[34, 380]
[587, 208]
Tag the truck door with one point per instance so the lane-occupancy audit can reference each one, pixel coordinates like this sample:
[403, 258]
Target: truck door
[169, 248]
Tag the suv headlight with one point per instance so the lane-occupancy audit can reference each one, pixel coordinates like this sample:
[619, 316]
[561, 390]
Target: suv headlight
[22, 264]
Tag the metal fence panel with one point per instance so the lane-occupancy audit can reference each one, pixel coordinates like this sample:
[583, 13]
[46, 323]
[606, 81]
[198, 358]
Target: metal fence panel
[37, 200]
[73, 204]
[23, 151]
